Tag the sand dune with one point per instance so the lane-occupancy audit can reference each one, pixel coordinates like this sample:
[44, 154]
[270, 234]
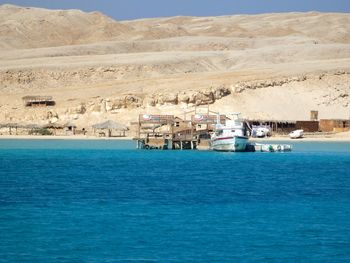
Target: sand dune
[35, 27]
[22, 27]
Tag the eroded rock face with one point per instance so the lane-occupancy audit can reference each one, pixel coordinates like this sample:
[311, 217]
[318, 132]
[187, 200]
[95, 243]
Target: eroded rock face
[131, 101]
[52, 116]
[126, 101]
[209, 96]
[204, 97]
[118, 103]
[149, 102]
[96, 108]
[81, 109]
[183, 97]
[221, 92]
[242, 86]
[163, 99]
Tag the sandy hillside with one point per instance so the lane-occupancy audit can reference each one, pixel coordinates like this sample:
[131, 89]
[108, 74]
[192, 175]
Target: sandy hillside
[275, 66]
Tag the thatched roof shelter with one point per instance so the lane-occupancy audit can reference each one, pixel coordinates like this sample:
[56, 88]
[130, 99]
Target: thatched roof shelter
[10, 125]
[24, 125]
[32, 126]
[110, 125]
[53, 126]
[14, 125]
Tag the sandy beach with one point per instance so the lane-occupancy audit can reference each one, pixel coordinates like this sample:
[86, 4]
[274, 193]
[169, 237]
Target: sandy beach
[76, 137]
[344, 136]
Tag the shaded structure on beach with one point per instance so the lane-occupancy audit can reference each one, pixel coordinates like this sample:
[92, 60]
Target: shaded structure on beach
[55, 128]
[67, 129]
[285, 126]
[110, 126]
[10, 126]
[25, 128]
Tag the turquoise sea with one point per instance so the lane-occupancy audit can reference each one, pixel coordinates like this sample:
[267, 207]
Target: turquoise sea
[105, 201]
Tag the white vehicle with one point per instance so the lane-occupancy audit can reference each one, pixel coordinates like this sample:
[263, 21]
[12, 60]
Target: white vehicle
[296, 134]
[262, 132]
[229, 137]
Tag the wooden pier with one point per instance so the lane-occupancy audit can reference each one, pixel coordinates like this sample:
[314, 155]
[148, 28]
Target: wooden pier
[170, 132]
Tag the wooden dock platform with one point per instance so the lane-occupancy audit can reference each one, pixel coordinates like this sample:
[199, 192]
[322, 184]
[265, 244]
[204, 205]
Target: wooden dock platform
[170, 132]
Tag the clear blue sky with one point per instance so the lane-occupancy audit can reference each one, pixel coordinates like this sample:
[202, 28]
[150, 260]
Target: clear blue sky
[132, 9]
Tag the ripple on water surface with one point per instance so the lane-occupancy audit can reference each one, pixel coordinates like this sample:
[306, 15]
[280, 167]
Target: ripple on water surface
[99, 201]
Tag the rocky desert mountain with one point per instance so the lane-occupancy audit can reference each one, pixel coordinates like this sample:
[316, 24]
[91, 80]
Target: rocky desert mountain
[270, 66]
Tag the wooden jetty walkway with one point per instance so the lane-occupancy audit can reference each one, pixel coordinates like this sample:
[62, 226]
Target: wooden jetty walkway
[170, 132]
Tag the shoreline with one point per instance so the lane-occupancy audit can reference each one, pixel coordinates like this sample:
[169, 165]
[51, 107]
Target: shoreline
[304, 139]
[333, 138]
[73, 137]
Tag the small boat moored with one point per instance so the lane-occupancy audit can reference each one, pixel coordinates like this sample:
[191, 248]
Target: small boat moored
[259, 147]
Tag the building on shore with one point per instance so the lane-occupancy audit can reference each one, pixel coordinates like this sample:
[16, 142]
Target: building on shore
[285, 126]
[334, 125]
[38, 101]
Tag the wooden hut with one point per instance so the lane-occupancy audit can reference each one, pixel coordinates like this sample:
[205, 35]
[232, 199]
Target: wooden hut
[307, 126]
[334, 125]
[38, 101]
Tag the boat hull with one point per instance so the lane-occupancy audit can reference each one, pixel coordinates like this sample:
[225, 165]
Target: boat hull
[230, 144]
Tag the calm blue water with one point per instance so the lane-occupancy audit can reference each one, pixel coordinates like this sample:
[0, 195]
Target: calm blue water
[104, 201]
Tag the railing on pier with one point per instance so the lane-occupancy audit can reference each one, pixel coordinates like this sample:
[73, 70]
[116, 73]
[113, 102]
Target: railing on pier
[207, 119]
[159, 119]
[184, 135]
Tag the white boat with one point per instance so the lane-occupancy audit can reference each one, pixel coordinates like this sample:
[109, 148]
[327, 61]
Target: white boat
[229, 137]
[296, 134]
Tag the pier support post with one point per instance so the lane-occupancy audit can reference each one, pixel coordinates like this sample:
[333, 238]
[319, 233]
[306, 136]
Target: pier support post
[181, 145]
[191, 145]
